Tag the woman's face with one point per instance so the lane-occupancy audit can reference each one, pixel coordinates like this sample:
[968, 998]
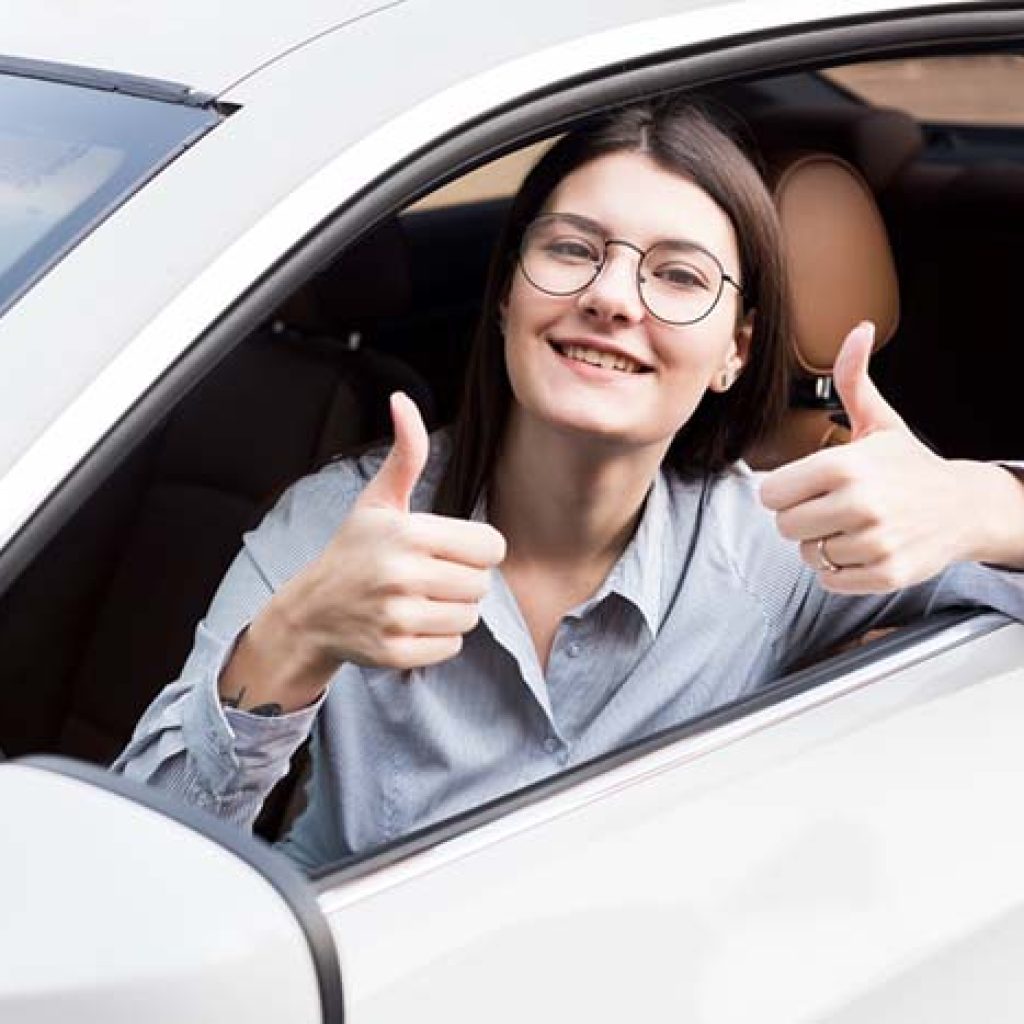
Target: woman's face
[553, 343]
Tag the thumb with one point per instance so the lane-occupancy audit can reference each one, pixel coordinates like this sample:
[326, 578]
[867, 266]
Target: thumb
[867, 409]
[393, 485]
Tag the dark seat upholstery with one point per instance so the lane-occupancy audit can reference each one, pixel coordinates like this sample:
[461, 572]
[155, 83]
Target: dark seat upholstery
[105, 616]
[959, 362]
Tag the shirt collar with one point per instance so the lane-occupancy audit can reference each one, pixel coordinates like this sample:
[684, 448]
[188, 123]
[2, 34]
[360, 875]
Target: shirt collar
[636, 576]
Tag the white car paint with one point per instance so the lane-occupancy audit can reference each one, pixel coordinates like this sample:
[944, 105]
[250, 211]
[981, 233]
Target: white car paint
[856, 862]
[208, 45]
[130, 935]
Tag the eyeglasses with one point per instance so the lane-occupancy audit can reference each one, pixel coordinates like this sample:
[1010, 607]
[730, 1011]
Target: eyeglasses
[679, 282]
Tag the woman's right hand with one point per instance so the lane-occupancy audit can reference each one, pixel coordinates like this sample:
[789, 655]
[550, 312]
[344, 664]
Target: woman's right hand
[393, 588]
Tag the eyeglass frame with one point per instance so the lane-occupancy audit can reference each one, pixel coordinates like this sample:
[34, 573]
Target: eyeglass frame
[642, 253]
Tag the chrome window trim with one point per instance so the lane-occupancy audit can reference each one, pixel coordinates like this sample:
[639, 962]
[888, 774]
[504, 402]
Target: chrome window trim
[376, 874]
[56, 453]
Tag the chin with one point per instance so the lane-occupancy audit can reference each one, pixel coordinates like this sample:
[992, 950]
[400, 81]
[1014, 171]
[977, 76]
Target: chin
[604, 428]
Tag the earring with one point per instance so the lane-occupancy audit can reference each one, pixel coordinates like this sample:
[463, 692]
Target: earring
[724, 380]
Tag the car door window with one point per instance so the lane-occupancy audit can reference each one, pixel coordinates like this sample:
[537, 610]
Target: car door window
[981, 89]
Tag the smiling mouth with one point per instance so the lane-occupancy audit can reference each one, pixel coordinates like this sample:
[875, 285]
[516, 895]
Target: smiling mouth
[597, 357]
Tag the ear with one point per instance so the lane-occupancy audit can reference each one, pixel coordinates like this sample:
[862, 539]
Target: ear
[741, 341]
[736, 355]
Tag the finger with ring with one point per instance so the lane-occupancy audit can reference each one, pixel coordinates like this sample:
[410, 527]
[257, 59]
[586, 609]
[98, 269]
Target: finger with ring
[825, 564]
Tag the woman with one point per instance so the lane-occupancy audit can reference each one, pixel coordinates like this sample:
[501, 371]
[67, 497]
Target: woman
[632, 346]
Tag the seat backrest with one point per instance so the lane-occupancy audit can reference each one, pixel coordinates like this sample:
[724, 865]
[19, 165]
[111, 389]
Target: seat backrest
[841, 271]
[959, 360]
[148, 551]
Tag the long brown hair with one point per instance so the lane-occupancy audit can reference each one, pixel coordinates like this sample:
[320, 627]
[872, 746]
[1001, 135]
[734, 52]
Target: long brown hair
[682, 139]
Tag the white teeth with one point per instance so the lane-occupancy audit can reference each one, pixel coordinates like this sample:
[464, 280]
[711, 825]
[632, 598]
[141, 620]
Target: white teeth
[609, 360]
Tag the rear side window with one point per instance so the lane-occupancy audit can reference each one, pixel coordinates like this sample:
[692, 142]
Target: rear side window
[70, 154]
[980, 89]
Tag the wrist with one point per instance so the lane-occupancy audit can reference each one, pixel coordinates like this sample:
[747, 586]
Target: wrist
[992, 510]
[275, 663]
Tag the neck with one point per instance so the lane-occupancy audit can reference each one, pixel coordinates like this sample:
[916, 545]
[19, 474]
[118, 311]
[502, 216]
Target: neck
[561, 499]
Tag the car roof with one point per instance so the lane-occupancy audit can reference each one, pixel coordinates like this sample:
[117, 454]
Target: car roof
[208, 45]
[212, 45]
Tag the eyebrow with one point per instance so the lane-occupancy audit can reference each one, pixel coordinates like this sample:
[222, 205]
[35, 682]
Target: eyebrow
[587, 224]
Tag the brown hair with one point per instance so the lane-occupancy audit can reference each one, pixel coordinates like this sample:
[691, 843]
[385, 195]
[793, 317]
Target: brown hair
[682, 139]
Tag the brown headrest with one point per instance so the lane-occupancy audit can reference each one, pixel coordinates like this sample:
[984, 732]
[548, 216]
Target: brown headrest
[840, 264]
[877, 141]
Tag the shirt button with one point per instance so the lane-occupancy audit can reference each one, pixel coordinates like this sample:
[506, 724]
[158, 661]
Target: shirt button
[551, 744]
[573, 650]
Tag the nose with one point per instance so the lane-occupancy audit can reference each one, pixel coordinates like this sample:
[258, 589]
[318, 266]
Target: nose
[615, 293]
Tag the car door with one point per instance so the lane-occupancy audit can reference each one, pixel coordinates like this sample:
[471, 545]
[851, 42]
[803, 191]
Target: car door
[847, 852]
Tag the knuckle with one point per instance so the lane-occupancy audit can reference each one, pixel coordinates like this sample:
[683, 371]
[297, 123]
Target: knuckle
[405, 530]
[769, 492]
[785, 524]
[890, 575]
[478, 584]
[845, 472]
[395, 616]
[870, 513]
[470, 618]
[397, 575]
[884, 548]
[499, 546]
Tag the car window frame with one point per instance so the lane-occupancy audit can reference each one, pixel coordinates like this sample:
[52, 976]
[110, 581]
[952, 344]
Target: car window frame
[464, 147]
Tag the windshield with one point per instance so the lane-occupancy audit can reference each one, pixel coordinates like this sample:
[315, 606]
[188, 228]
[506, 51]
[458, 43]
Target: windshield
[68, 156]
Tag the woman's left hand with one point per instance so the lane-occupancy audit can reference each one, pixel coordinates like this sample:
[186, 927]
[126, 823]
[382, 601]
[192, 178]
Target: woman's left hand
[884, 512]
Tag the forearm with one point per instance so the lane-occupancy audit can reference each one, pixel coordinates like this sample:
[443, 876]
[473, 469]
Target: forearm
[993, 514]
[190, 746]
[273, 668]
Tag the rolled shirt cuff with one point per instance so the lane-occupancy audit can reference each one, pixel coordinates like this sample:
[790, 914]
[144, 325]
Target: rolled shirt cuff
[234, 749]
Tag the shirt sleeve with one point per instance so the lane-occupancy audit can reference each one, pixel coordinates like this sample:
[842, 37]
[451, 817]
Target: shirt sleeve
[805, 620]
[224, 760]
[186, 743]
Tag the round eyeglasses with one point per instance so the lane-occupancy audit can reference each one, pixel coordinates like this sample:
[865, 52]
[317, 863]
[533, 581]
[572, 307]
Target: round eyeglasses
[679, 282]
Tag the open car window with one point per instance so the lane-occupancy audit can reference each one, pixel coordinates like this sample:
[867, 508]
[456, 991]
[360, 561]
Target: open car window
[69, 154]
[979, 89]
[309, 384]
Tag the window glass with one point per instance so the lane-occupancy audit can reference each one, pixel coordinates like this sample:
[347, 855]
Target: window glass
[495, 180]
[975, 89]
[68, 156]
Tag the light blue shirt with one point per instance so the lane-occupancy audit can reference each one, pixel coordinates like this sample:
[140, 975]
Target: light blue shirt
[706, 604]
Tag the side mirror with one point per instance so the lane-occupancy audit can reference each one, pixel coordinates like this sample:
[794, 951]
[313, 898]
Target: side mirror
[119, 905]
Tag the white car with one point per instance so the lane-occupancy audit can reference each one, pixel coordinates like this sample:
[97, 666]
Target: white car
[226, 232]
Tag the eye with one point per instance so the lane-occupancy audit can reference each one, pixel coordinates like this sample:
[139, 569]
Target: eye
[572, 249]
[681, 275]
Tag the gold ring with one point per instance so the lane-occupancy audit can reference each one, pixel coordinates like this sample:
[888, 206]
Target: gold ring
[825, 564]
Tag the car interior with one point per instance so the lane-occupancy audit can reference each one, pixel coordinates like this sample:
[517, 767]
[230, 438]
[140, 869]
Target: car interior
[909, 222]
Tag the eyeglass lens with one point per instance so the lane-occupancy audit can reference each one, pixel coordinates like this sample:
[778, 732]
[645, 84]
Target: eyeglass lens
[678, 283]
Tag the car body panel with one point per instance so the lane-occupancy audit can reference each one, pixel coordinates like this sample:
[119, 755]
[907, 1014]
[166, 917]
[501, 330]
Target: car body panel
[206, 46]
[136, 953]
[858, 860]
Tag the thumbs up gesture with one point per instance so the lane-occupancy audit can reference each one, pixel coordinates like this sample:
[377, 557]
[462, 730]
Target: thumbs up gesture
[393, 588]
[883, 511]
